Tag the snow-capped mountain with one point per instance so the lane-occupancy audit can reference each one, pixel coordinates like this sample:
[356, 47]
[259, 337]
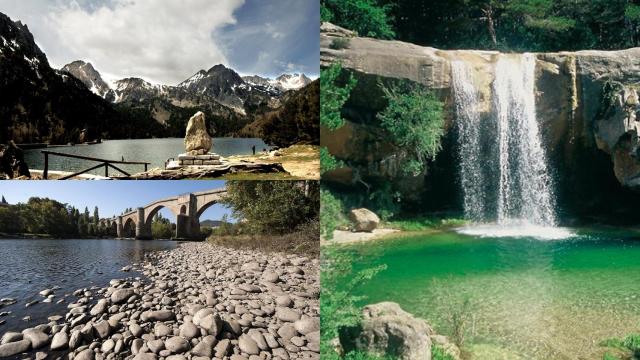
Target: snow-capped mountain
[282, 83]
[91, 78]
[136, 89]
[219, 84]
[292, 81]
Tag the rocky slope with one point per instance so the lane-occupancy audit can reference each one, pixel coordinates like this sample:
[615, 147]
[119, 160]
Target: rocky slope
[586, 104]
[40, 104]
[218, 86]
[295, 122]
[197, 300]
[91, 78]
[228, 100]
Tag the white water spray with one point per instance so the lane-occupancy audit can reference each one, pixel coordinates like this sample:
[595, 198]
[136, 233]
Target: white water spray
[519, 192]
[468, 124]
[525, 190]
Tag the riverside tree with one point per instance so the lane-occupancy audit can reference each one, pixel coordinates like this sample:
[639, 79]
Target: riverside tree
[273, 207]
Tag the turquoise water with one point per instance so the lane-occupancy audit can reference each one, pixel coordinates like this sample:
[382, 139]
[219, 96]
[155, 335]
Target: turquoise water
[522, 298]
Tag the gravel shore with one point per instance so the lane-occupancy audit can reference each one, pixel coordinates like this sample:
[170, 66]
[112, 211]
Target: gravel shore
[198, 301]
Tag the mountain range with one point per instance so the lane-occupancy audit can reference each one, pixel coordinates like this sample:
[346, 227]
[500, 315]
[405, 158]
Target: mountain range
[218, 84]
[75, 103]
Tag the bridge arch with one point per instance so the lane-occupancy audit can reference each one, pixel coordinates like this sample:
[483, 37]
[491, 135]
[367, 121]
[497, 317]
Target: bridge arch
[150, 212]
[187, 209]
[129, 228]
[204, 207]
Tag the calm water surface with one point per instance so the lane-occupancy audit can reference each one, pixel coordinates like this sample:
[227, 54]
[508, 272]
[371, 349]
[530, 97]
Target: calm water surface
[522, 298]
[30, 266]
[154, 151]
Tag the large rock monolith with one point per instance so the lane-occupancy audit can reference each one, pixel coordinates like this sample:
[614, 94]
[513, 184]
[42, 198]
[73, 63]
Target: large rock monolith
[197, 140]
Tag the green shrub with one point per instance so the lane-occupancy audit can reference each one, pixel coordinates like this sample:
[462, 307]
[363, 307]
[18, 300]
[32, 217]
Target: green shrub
[632, 342]
[273, 207]
[384, 201]
[366, 17]
[438, 353]
[337, 302]
[339, 43]
[331, 213]
[414, 119]
[333, 95]
[328, 162]
[161, 227]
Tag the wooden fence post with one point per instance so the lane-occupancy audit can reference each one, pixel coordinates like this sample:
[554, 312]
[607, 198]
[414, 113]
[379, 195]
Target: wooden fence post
[45, 174]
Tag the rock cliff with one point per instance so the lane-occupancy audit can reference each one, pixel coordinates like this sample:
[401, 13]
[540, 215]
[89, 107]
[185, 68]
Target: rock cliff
[586, 104]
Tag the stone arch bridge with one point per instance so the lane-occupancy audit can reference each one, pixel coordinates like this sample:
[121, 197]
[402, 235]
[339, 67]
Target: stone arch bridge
[186, 207]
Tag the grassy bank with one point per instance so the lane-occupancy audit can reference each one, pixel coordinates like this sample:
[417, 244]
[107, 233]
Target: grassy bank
[424, 223]
[302, 241]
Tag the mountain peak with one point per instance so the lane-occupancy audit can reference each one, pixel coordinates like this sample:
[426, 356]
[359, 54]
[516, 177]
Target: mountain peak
[90, 77]
[218, 68]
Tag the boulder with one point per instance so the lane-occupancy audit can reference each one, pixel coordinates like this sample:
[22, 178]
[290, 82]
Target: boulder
[59, 341]
[177, 344]
[121, 295]
[37, 338]
[12, 161]
[14, 348]
[197, 140]
[158, 315]
[364, 220]
[387, 330]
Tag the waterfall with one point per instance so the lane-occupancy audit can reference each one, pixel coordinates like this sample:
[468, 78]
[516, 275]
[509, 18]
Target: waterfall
[468, 126]
[520, 191]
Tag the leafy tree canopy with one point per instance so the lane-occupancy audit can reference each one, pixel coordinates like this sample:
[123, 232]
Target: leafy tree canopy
[273, 207]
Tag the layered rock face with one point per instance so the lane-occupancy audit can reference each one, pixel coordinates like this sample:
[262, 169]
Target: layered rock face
[585, 104]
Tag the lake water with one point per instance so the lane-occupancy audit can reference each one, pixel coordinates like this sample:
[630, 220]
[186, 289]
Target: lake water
[522, 297]
[30, 266]
[154, 151]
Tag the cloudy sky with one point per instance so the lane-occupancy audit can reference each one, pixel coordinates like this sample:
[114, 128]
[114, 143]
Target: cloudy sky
[167, 41]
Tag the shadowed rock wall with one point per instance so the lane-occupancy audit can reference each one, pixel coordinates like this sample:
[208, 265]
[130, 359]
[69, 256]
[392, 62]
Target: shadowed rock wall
[586, 103]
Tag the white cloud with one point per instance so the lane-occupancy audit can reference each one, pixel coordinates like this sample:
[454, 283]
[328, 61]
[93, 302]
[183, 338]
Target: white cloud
[162, 41]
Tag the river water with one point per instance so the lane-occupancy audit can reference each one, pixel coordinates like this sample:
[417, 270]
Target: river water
[30, 266]
[154, 151]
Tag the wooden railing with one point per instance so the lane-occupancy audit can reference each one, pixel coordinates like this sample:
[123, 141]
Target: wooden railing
[103, 163]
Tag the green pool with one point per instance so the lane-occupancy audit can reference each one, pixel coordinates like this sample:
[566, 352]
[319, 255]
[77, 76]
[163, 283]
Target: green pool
[521, 297]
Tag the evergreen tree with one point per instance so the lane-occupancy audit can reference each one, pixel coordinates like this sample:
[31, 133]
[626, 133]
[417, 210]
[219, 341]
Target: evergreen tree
[86, 216]
[96, 217]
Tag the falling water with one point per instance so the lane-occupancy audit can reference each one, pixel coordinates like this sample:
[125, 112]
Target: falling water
[468, 124]
[520, 192]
